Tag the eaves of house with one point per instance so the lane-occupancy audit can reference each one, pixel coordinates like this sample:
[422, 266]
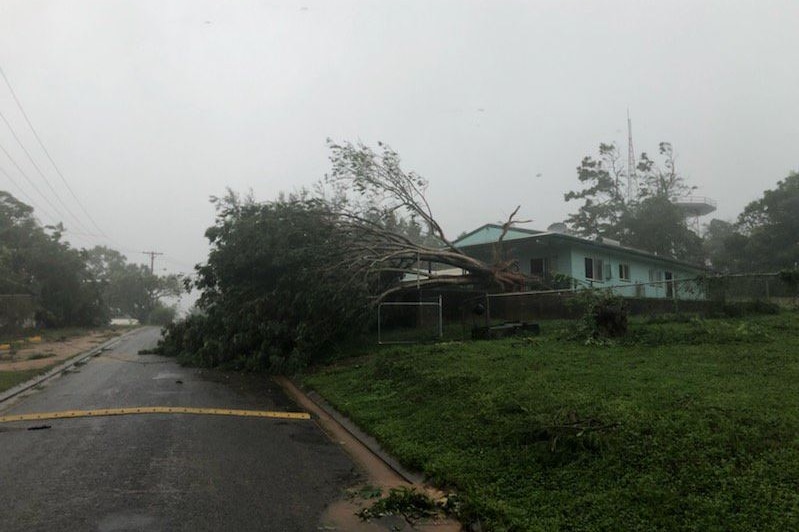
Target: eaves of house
[488, 234]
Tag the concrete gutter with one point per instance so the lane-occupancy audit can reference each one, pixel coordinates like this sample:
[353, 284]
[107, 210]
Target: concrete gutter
[380, 468]
[68, 364]
[322, 409]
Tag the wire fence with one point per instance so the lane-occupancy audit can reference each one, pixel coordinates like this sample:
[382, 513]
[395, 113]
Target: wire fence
[429, 315]
[403, 322]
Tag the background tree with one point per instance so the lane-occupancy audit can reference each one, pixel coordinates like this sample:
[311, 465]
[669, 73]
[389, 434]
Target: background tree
[131, 289]
[660, 181]
[34, 261]
[602, 195]
[656, 225]
[66, 286]
[723, 245]
[769, 230]
[647, 218]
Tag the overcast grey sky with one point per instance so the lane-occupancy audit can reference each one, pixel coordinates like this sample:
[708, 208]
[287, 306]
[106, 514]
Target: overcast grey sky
[150, 107]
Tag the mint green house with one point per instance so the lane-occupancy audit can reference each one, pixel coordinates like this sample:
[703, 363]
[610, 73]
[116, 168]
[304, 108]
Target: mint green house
[599, 263]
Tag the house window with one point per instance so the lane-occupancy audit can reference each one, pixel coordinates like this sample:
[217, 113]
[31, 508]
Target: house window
[589, 268]
[539, 268]
[595, 268]
[624, 272]
[655, 276]
[669, 284]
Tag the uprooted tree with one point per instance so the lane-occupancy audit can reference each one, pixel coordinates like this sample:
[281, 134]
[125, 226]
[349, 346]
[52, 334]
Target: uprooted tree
[370, 188]
[287, 279]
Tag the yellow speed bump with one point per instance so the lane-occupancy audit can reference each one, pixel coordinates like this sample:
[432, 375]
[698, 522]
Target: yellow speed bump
[153, 410]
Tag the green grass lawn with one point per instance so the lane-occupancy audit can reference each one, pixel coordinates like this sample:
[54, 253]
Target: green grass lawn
[683, 426]
[9, 379]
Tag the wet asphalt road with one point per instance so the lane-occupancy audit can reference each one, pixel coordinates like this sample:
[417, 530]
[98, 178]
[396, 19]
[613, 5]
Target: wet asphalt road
[160, 471]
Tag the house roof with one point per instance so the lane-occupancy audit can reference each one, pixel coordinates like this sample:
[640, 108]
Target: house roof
[489, 234]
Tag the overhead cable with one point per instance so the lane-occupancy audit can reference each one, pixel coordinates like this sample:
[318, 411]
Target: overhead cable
[27, 196]
[30, 182]
[39, 170]
[47, 152]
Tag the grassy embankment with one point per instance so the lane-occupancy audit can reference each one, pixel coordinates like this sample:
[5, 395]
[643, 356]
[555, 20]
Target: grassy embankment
[9, 379]
[684, 426]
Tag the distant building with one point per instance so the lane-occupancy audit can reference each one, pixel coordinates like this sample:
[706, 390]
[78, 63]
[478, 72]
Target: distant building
[554, 257]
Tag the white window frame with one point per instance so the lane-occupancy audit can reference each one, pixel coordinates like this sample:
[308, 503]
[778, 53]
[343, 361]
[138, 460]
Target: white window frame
[655, 277]
[599, 269]
[624, 268]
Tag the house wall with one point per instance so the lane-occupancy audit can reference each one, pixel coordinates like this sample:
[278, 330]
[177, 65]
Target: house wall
[568, 257]
[559, 256]
[640, 284]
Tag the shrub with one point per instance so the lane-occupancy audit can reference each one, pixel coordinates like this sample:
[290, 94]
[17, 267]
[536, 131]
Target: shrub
[603, 316]
[162, 315]
[743, 308]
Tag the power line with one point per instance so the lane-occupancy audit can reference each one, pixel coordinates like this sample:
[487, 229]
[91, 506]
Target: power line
[30, 182]
[89, 241]
[27, 196]
[39, 170]
[47, 153]
[87, 234]
[86, 237]
[180, 263]
[90, 238]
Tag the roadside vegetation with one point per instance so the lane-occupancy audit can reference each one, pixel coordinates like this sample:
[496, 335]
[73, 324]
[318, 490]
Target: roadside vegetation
[287, 280]
[23, 356]
[679, 425]
[46, 283]
[9, 379]
[59, 334]
[606, 422]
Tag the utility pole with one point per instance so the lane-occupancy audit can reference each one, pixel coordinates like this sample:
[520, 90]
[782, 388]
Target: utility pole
[152, 255]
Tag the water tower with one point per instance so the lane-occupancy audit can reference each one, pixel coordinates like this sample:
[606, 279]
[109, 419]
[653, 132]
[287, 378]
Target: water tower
[693, 207]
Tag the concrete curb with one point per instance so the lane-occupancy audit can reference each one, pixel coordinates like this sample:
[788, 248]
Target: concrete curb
[80, 357]
[363, 438]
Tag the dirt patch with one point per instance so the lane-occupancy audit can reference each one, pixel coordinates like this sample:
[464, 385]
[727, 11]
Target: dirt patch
[44, 354]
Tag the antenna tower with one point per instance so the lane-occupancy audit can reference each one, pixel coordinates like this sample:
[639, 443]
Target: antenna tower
[632, 183]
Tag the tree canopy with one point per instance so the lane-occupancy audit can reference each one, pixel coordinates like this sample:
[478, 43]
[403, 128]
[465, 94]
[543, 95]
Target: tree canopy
[35, 262]
[644, 217]
[369, 189]
[287, 279]
[131, 289]
[273, 289]
[67, 286]
[765, 237]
